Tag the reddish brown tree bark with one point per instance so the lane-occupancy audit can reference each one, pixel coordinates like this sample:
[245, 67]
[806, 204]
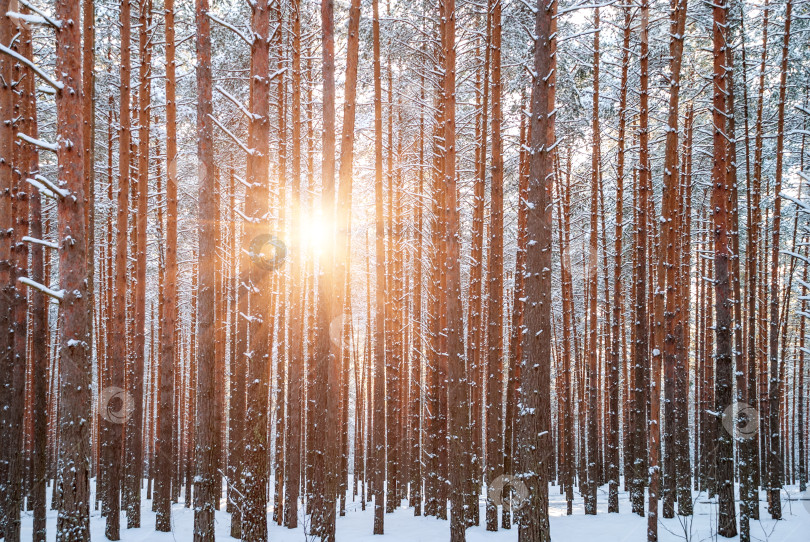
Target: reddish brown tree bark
[118, 355]
[73, 520]
[591, 452]
[206, 493]
[296, 360]
[134, 444]
[378, 418]
[775, 464]
[727, 524]
[533, 415]
[495, 295]
[168, 322]
[259, 280]
[641, 335]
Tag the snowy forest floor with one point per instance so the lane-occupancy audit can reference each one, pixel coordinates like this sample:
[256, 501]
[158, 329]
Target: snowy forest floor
[402, 526]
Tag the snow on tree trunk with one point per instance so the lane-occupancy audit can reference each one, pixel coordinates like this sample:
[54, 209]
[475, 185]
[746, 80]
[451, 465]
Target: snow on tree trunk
[73, 520]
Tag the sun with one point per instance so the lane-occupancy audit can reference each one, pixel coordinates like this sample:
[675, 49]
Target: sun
[313, 233]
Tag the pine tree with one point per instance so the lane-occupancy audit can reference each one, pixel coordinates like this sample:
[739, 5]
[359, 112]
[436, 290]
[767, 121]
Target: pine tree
[168, 324]
[533, 414]
[495, 272]
[73, 520]
[727, 525]
[205, 490]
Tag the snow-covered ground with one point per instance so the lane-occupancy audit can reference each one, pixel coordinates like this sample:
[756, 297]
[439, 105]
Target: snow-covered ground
[402, 526]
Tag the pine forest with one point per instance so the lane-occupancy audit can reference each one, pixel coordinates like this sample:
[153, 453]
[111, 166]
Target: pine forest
[404, 270]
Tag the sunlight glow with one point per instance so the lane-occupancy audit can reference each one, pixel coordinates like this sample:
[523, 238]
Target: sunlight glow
[313, 233]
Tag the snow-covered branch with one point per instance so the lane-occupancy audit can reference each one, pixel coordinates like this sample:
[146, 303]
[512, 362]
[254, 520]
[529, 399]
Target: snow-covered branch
[44, 190]
[30, 19]
[230, 27]
[795, 255]
[250, 319]
[531, 8]
[244, 216]
[235, 102]
[232, 136]
[802, 205]
[243, 181]
[53, 147]
[42, 242]
[582, 5]
[45, 77]
[276, 73]
[802, 283]
[51, 186]
[56, 294]
[50, 20]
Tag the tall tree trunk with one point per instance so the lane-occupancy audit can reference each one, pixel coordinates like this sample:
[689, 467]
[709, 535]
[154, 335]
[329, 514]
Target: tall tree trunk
[118, 358]
[458, 388]
[259, 280]
[39, 348]
[591, 476]
[567, 425]
[206, 492]
[8, 292]
[616, 358]
[775, 466]
[533, 416]
[14, 366]
[669, 253]
[343, 241]
[135, 422]
[641, 346]
[727, 525]
[296, 360]
[191, 451]
[73, 520]
[168, 323]
[682, 334]
[89, 104]
[378, 419]
[476, 337]
[280, 281]
[325, 465]
[7, 287]
[417, 343]
[495, 295]
[392, 335]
